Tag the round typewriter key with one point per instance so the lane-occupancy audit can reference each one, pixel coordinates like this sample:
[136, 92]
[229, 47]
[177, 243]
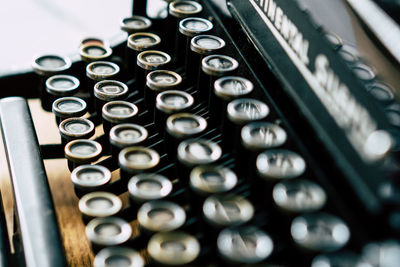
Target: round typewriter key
[182, 126]
[212, 179]
[148, 186]
[195, 152]
[244, 245]
[189, 28]
[99, 204]
[201, 46]
[125, 135]
[338, 259]
[117, 112]
[160, 216]
[68, 107]
[173, 248]
[108, 231]
[240, 112]
[349, 54]
[135, 24]
[320, 232]
[118, 256]
[94, 51]
[139, 42]
[89, 178]
[298, 196]
[48, 65]
[364, 72]
[222, 211]
[148, 61]
[137, 159]
[178, 10]
[383, 93]
[109, 90]
[258, 136]
[334, 39]
[158, 81]
[382, 254]
[93, 40]
[225, 90]
[75, 128]
[82, 151]
[279, 164]
[214, 66]
[171, 102]
[62, 85]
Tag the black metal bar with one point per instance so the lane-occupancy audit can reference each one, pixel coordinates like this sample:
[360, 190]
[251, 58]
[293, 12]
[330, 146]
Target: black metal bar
[36, 215]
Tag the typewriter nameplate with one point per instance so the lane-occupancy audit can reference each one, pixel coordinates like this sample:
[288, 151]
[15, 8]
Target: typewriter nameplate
[332, 88]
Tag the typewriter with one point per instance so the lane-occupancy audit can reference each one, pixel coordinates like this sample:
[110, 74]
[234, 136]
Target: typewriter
[212, 133]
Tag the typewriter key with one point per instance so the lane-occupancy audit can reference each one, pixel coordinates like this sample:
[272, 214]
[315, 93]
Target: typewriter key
[334, 39]
[382, 254]
[213, 66]
[244, 245]
[108, 231]
[89, 178]
[160, 216]
[99, 204]
[349, 54]
[364, 72]
[148, 186]
[258, 136]
[170, 102]
[68, 107]
[99, 71]
[320, 232]
[222, 211]
[93, 40]
[383, 93]
[212, 179]
[109, 90]
[240, 112]
[201, 46]
[46, 66]
[125, 135]
[117, 112]
[173, 248]
[148, 61]
[279, 164]
[182, 126]
[75, 128]
[82, 151]
[158, 81]
[339, 259]
[195, 152]
[298, 196]
[225, 90]
[135, 24]
[189, 28]
[178, 10]
[91, 51]
[59, 86]
[118, 256]
[139, 42]
[137, 159]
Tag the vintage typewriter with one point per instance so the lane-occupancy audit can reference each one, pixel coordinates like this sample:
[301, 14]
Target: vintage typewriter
[214, 133]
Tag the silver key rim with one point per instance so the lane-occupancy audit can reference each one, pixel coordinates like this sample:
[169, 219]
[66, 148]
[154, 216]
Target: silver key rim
[158, 187]
[96, 75]
[117, 130]
[192, 152]
[257, 136]
[103, 258]
[226, 65]
[127, 25]
[53, 85]
[122, 231]
[178, 12]
[109, 116]
[102, 90]
[77, 179]
[78, 111]
[244, 110]
[87, 201]
[42, 69]
[199, 183]
[177, 130]
[231, 92]
[63, 128]
[197, 44]
[186, 29]
[136, 45]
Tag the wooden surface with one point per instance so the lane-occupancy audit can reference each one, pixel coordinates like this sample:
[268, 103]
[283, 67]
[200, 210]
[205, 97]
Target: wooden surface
[72, 229]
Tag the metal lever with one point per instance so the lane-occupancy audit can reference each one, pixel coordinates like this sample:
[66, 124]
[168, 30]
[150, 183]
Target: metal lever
[36, 215]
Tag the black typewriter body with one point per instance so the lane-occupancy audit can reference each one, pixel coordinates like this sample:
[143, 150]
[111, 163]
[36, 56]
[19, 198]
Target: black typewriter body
[302, 169]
